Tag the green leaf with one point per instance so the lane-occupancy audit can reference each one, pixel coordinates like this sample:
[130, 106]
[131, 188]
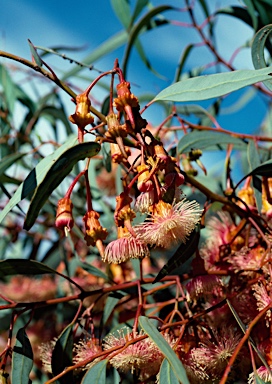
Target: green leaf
[257, 51]
[9, 89]
[96, 374]
[207, 139]
[137, 29]
[93, 270]
[138, 9]
[22, 358]
[122, 11]
[62, 355]
[58, 170]
[182, 61]
[244, 328]
[35, 56]
[166, 374]
[109, 306]
[11, 267]
[168, 352]
[9, 160]
[254, 162]
[211, 86]
[252, 13]
[36, 176]
[182, 254]
[105, 48]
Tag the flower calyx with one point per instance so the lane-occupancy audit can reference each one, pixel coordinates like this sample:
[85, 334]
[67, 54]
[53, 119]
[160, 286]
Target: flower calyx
[93, 230]
[82, 116]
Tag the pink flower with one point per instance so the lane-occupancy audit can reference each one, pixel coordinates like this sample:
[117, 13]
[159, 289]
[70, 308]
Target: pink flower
[204, 287]
[84, 350]
[125, 248]
[144, 201]
[263, 299]
[169, 224]
[143, 357]
[46, 350]
[218, 230]
[262, 373]
[248, 260]
[209, 360]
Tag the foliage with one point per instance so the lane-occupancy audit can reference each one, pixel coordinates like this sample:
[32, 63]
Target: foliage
[129, 252]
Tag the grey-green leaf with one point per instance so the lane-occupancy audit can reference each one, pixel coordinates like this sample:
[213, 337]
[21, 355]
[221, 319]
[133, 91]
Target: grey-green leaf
[58, 170]
[204, 139]
[211, 86]
[257, 51]
[30, 183]
[166, 374]
[254, 162]
[22, 358]
[96, 374]
[62, 355]
[168, 352]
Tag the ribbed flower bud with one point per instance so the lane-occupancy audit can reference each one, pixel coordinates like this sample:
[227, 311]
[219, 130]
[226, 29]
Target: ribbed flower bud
[64, 216]
[94, 231]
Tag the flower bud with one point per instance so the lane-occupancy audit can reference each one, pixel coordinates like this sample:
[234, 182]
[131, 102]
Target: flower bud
[64, 217]
[94, 231]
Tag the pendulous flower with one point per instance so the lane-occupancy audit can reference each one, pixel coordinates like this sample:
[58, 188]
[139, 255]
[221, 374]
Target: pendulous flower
[126, 247]
[169, 224]
[64, 216]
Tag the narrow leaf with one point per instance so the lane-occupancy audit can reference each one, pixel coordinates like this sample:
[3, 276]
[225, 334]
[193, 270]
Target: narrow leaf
[254, 162]
[166, 374]
[137, 29]
[168, 352]
[96, 374]
[9, 160]
[93, 270]
[204, 139]
[257, 51]
[244, 328]
[36, 176]
[22, 358]
[211, 86]
[54, 176]
[35, 56]
[105, 48]
[62, 355]
[182, 254]
[109, 306]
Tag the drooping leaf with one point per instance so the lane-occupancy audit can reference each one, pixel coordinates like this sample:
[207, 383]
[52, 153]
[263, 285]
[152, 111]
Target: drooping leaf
[182, 254]
[9, 89]
[22, 358]
[62, 355]
[54, 176]
[257, 51]
[122, 11]
[140, 4]
[36, 176]
[137, 29]
[166, 374]
[9, 160]
[96, 374]
[11, 267]
[114, 42]
[254, 162]
[93, 270]
[204, 139]
[244, 328]
[182, 61]
[212, 86]
[163, 345]
[109, 306]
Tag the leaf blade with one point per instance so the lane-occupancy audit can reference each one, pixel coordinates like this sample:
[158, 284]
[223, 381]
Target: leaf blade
[162, 344]
[212, 86]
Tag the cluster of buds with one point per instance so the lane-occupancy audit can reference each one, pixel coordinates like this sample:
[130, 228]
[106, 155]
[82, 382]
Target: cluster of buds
[151, 181]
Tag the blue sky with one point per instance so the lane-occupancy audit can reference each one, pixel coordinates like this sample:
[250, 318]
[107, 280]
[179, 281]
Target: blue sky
[80, 23]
